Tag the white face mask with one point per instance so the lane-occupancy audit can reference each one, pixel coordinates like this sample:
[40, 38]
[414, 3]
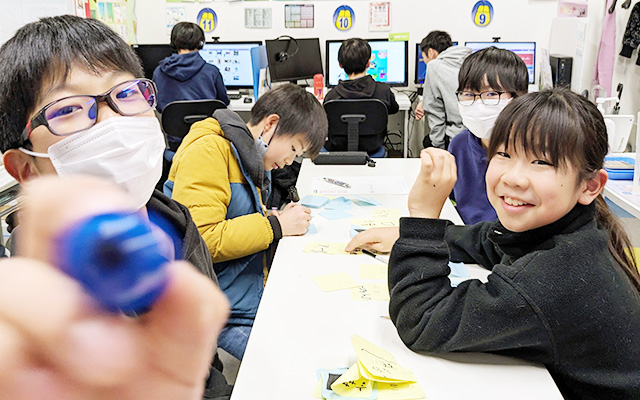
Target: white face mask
[126, 151]
[480, 118]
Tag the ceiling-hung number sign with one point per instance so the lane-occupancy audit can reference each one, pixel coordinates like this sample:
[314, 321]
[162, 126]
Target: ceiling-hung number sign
[343, 18]
[482, 13]
[207, 19]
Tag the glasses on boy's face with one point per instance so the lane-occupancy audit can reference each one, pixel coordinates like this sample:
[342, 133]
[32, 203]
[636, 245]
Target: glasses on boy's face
[491, 98]
[73, 114]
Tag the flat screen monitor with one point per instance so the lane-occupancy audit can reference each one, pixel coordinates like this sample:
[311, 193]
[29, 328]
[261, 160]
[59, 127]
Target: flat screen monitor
[389, 61]
[421, 67]
[150, 55]
[525, 50]
[290, 61]
[233, 59]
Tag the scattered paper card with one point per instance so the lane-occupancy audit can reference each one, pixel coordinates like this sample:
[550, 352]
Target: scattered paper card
[325, 248]
[374, 271]
[386, 213]
[365, 201]
[378, 364]
[458, 270]
[335, 214]
[373, 222]
[332, 282]
[312, 229]
[360, 185]
[339, 203]
[370, 291]
[312, 201]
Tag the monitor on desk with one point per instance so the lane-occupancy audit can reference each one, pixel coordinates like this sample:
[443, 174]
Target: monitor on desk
[389, 62]
[150, 55]
[421, 67]
[524, 50]
[293, 59]
[233, 59]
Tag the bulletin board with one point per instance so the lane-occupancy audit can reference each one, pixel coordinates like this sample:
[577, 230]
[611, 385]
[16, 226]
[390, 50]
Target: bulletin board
[119, 15]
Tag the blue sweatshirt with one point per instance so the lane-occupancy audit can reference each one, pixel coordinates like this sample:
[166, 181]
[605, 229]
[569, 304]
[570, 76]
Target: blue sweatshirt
[470, 191]
[188, 77]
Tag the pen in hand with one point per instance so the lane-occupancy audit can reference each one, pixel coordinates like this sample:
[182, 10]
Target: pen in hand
[381, 258]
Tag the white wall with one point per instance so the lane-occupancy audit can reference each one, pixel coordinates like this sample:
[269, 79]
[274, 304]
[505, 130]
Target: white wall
[514, 20]
[15, 13]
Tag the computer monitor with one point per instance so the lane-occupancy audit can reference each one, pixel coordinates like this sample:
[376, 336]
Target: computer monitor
[525, 50]
[389, 61]
[150, 55]
[421, 67]
[233, 59]
[290, 61]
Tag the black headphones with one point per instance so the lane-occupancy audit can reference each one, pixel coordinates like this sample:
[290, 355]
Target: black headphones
[284, 55]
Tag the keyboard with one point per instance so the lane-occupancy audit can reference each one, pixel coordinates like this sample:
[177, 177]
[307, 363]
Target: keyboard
[234, 96]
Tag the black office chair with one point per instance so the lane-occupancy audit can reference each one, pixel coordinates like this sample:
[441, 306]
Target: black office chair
[177, 118]
[356, 125]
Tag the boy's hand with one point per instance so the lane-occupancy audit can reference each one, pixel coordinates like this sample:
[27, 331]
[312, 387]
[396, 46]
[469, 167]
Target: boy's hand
[56, 343]
[419, 112]
[434, 183]
[294, 219]
[378, 239]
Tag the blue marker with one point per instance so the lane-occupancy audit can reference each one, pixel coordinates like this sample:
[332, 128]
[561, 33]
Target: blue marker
[118, 260]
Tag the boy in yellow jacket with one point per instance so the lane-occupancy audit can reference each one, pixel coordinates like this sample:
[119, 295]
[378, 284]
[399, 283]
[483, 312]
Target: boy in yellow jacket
[221, 172]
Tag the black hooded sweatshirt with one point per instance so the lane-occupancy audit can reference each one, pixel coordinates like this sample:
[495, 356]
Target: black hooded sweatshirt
[364, 88]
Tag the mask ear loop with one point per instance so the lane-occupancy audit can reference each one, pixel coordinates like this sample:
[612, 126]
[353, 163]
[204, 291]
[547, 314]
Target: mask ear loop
[274, 133]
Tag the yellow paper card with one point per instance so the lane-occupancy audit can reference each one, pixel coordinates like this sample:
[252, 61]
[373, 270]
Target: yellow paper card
[331, 282]
[374, 222]
[386, 213]
[374, 271]
[317, 391]
[325, 248]
[378, 362]
[370, 291]
[399, 391]
[351, 384]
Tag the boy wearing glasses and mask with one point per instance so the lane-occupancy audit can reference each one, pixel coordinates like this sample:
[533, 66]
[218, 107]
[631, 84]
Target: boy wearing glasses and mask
[221, 172]
[72, 102]
[487, 82]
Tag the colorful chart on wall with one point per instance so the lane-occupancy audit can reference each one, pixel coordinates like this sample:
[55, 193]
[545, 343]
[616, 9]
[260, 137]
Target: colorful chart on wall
[298, 16]
[207, 19]
[482, 13]
[117, 14]
[344, 18]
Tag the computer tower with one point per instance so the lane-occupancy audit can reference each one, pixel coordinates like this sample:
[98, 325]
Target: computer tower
[561, 70]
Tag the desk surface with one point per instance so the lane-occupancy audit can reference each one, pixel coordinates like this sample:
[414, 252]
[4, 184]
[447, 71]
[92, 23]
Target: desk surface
[299, 328]
[622, 193]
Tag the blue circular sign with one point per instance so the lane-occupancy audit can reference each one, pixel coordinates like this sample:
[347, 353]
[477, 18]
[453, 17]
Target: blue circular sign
[207, 19]
[482, 13]
[344, 18]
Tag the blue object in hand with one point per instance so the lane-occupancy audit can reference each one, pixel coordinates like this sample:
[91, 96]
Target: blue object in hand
[117, 258]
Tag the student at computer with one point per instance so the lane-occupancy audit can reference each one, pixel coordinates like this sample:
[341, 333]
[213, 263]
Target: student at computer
[186, 75]
[440, 83]
[80, 107]
[354, 57]
[221, 173]
[489, 79]
[564, 286]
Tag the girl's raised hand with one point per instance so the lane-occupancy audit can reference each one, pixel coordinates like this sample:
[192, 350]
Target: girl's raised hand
[434, 183]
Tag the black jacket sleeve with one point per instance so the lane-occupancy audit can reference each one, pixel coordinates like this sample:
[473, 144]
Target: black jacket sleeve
[432, 316]
[631, 37]
[468, 244]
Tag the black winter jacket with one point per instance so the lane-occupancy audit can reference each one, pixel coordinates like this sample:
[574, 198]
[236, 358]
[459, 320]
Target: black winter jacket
[555, 296]
[631, 38]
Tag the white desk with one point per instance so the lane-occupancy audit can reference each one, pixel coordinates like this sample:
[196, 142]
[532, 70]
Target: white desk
[299, 328]
[621, 192]
[401, 98]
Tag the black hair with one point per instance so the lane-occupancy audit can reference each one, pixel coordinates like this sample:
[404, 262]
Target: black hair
[568, 131]
[503, 69]
[187, 36]
[354, 55]
[299, 112]
[437, 40]
[42, 53]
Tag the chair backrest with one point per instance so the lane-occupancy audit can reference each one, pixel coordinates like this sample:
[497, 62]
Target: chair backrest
[178, 116]
[356, 124]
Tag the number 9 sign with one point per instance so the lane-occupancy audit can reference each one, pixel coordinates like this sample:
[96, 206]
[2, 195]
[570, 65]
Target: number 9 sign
[482, 13]
[343, 18]
[207, 19]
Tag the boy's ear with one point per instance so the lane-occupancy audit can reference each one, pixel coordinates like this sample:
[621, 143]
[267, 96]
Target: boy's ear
[270, 124]
[19, 165]
[593, 188]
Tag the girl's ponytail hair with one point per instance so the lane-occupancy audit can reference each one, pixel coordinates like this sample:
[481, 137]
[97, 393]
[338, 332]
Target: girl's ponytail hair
[566, 128]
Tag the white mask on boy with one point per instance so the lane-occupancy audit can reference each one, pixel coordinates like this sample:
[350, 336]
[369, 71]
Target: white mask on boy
[126, 151]
[480, 118]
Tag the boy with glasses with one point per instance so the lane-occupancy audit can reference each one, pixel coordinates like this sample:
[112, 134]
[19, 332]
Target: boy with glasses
[487, 82]
[72, 102]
